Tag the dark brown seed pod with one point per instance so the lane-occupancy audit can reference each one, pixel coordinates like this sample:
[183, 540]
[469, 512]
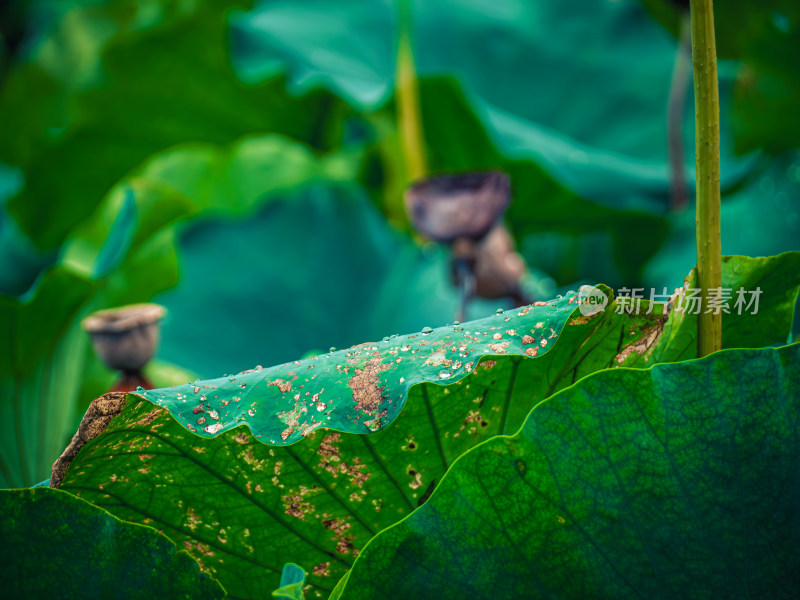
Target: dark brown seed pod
[465, 205]
[125, 338]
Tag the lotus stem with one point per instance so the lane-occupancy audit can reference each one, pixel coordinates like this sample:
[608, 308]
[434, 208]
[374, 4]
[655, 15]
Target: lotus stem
[706, 97]
[408, 106]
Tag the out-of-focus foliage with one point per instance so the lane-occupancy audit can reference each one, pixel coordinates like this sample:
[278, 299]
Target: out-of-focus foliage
[161, 78]
[581, 89]
[765, 37]
[154, 145]
[239, 162]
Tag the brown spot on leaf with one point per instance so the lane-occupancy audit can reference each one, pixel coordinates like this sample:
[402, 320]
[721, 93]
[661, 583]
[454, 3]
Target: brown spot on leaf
[329, 453]
[583, 320]
[355, 472]
[294, 506]
[192, 519]
[330, 460]
[282, 385]
[412, 445]
[416, 478]
[338, 526]
[367, 393]
[648, 340]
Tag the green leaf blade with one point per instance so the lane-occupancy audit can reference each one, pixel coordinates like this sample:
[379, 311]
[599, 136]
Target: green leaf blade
[244, 508]
[55, 544]
[360, 389]
[674, 481]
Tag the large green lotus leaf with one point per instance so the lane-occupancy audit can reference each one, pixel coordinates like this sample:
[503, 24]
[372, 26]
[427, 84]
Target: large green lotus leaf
[677, 481]
[326, 495]
[144, 104]
[360, 389]
[236, 179]
[228, 498]
[55, 544]
[517, 56]
[612, 338]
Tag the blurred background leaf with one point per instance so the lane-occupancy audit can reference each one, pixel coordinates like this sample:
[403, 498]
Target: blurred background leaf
[239, 162]
[765, 37]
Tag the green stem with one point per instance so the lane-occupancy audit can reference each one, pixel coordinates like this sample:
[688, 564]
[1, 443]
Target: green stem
[408, 111]
[706, 99]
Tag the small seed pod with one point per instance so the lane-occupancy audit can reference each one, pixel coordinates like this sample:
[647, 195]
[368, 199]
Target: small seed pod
[125, 339]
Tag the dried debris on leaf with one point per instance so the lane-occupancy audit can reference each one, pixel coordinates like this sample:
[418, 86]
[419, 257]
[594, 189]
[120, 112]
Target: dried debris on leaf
[94, 422]
[367, 392]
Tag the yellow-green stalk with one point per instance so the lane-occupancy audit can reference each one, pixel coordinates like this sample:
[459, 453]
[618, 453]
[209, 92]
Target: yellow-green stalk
[706, 99]
[408, 107]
